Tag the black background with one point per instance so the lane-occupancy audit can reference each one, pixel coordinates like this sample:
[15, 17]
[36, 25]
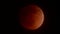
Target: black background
[10, 18]
[49, 9]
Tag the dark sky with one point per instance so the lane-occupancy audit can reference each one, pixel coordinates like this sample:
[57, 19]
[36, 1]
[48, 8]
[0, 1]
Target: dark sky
[49, 9]
[10, 19]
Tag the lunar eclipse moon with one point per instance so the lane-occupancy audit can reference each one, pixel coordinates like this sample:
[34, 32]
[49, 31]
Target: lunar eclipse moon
[31, 17]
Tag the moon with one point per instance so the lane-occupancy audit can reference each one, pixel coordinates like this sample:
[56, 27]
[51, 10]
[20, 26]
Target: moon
[31, 17]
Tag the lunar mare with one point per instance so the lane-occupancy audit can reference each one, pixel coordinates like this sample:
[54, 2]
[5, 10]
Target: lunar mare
[32, 17]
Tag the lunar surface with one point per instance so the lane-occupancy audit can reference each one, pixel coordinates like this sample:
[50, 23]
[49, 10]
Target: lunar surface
[31, 17]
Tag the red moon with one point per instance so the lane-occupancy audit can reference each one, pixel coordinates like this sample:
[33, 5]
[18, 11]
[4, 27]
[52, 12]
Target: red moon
[31, 17]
